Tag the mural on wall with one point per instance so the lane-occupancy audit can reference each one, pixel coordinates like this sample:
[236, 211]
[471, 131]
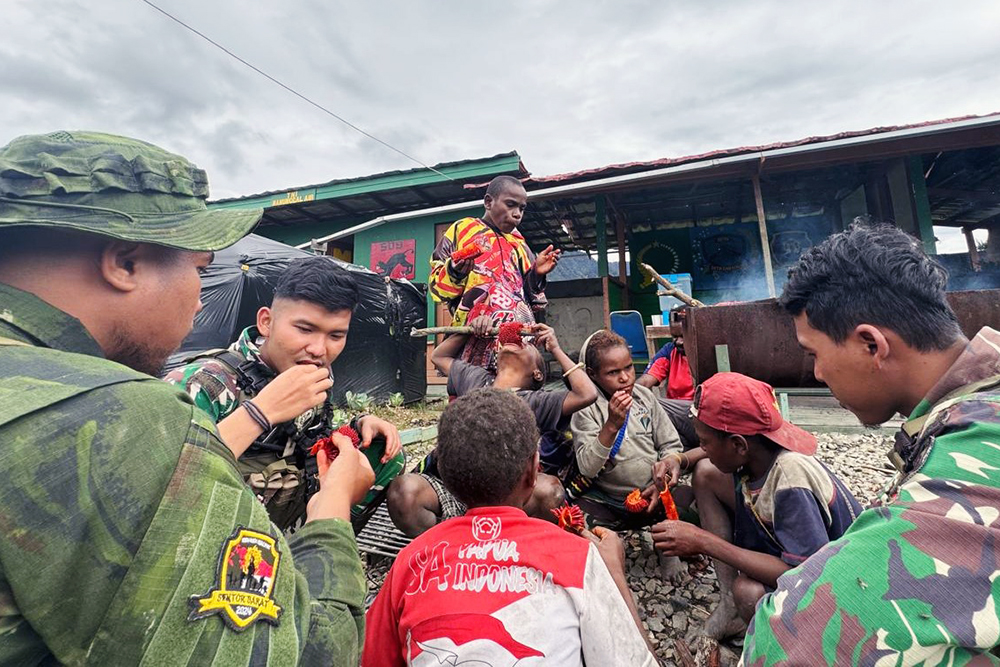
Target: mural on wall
[667, 251]
[727, 257]
[394, 258]
[792, 236]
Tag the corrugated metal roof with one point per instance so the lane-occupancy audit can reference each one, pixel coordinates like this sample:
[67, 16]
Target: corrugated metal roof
[632, 167]
[443, 166]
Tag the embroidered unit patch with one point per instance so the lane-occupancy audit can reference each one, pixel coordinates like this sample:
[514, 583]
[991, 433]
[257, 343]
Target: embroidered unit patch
[248, 565]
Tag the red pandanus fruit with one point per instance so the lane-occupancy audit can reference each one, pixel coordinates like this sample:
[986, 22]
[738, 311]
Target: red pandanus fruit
[327, 444]
[474, 248]
[570, 518]
[634, 502]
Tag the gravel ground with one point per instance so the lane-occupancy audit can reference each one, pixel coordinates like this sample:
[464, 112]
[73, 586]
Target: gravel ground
[668, 611]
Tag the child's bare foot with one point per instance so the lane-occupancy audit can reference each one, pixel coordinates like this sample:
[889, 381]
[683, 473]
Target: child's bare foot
[672, 569]
[724, 622]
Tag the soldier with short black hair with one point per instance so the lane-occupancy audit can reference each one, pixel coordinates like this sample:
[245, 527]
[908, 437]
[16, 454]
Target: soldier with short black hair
[914, 579]
[128, 535]
[269, 392]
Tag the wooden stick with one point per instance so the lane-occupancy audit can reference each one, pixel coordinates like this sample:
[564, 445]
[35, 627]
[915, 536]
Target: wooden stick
[886, 471]
[431, 331]
[668, 287]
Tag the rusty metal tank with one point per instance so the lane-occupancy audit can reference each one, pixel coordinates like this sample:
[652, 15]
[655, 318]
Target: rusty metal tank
[761, 337]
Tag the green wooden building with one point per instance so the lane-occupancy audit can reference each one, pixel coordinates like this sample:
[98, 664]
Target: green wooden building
[734, 219]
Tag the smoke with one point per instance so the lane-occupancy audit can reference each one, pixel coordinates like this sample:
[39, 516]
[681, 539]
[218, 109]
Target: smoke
[961, 275]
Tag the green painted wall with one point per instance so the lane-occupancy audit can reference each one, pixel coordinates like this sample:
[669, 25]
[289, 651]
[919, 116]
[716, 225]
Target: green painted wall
[422, 231]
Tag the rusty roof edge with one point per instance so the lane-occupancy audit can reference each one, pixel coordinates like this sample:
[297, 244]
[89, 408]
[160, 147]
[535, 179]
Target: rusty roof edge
[872, 135]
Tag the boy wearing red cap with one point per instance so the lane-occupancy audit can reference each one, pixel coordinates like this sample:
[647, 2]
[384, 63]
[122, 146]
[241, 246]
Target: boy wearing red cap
[765, 502]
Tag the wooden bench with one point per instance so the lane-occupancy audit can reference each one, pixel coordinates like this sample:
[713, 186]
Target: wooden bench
[380, 535]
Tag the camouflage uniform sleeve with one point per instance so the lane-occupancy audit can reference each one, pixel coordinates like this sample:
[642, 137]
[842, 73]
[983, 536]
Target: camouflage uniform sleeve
[913, 582]
[326, 557]
[210, 384]
[125, 500]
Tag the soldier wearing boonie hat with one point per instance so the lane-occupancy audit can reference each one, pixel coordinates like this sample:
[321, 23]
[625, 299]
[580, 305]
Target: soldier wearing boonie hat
[128, 534]
[761, 471]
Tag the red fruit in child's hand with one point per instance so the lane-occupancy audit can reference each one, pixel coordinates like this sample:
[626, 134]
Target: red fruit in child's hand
[634, 502]
[470, 250]
[510, 334]
[669, 506]
[570, 518]
[327, 444]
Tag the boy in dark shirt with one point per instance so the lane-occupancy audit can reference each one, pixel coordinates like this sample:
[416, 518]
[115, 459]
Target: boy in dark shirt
[766, 503]
[419, 500]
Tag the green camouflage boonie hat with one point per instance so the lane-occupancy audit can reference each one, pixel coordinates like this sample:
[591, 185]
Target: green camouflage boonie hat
[114, 186]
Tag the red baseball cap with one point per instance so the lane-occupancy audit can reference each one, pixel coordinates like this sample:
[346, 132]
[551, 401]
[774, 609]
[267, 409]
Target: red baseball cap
[735, 403]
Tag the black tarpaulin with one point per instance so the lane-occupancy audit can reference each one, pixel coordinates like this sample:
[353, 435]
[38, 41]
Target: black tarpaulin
[380, 357]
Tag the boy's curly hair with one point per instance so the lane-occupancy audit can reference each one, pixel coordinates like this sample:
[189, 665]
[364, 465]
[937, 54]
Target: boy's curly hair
[486, 440]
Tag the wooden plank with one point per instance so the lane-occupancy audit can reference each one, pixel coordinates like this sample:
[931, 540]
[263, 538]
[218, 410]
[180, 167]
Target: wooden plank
[722, 358]
[762, 227]
[601, 232]
[970, 241]
[622, 265]
[654, 331]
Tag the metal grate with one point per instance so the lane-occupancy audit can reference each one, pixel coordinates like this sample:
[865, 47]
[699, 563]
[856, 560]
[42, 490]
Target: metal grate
[380, 536]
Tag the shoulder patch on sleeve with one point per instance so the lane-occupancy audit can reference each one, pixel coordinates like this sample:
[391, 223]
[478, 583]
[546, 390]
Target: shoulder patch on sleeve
[248, 565]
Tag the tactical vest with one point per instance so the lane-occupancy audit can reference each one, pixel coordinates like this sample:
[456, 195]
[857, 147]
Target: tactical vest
[915, 439]
[277, 465]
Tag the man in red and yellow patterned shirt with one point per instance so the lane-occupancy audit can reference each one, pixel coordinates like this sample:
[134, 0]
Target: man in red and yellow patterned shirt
[505, 280]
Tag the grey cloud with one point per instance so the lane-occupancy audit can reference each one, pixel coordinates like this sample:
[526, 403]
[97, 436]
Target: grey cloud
[571, 85]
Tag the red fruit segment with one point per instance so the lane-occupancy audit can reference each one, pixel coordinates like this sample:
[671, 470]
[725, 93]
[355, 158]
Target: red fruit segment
[669, 506]
[470, 250]
[350, 433]
[570, 518]
[634, 502]
[327, 444]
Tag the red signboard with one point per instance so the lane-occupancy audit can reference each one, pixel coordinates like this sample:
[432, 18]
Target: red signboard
[394, 258]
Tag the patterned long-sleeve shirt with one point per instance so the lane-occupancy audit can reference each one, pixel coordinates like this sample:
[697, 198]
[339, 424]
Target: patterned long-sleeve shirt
[913, 580]
[502, 278]
[502, 284]
[128, 534]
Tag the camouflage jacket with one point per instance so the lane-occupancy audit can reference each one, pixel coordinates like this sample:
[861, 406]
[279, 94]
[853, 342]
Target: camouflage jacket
[913, 580]
[276, 466]
[129, 537]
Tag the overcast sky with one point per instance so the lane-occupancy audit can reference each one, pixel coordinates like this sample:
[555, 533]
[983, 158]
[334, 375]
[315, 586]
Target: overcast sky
[569, 85]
